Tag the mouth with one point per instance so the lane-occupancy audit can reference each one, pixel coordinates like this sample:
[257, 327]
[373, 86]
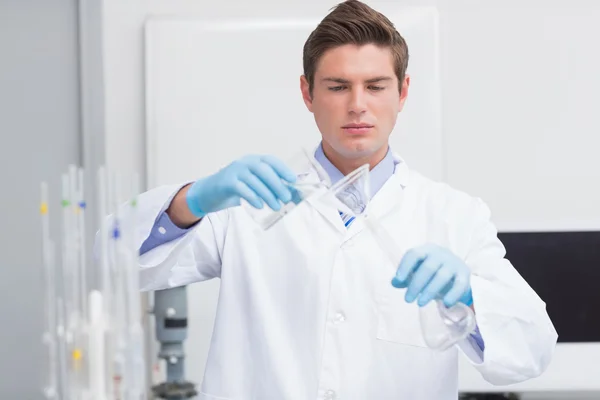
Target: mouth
[357, 129]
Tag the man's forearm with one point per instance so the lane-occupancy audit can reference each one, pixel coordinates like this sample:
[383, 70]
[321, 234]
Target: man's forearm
[179, 211]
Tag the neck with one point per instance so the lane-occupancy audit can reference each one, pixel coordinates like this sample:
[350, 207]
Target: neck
[346, 165]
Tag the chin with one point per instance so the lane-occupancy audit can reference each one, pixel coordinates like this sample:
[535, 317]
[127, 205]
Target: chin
[358, 149]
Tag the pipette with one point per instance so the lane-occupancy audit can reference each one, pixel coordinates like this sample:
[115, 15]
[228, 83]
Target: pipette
[63, 370]
[74, 244]
[119, 261]
[51, 387]
[80, 212]
[137, 383]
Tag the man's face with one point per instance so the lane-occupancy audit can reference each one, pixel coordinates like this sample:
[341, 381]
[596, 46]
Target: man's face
[355, 100]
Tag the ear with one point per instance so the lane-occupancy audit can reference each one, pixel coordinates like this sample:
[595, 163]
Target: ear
[304, 88]
[404, 91]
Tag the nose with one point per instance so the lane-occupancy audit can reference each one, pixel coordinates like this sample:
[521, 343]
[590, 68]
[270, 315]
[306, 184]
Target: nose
[358, 102]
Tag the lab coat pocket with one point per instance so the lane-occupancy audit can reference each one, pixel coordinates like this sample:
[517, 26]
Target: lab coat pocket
[398, 321]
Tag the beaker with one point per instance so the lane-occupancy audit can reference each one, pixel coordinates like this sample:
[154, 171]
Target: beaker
[311, 179]
[441, 326]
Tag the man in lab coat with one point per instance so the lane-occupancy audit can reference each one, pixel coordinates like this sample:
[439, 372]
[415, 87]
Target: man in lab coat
[312, 309]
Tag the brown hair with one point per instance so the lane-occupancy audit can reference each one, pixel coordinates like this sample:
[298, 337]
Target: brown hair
[354, 22]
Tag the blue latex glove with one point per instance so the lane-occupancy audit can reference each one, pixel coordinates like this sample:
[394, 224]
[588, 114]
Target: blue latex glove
[432, 272]
[257, 179]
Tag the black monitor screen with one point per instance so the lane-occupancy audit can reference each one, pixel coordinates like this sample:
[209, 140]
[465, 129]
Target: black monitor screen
[564, 269]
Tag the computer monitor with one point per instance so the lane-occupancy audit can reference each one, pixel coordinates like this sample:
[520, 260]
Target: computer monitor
[564, 269]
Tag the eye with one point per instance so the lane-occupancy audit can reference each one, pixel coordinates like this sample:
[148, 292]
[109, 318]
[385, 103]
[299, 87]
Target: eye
[376, 88]
[336, 88]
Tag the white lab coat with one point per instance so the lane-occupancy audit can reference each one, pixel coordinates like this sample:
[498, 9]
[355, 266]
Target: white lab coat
[306, 310]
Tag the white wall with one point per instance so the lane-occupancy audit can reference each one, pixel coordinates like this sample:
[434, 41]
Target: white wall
[557, 158]
[189, 112]
[520, 95]
[123, 44]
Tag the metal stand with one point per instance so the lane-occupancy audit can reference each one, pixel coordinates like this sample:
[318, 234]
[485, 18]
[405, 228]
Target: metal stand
[489, 396]
[170, 311]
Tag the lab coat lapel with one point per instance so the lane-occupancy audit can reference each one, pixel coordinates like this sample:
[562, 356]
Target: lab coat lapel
[389, 198]
[329, 213]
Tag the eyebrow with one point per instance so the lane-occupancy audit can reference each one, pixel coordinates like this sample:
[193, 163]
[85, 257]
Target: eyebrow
[345, 81]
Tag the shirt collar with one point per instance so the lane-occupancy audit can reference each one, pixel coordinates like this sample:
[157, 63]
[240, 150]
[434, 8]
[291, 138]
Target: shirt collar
[377, 176]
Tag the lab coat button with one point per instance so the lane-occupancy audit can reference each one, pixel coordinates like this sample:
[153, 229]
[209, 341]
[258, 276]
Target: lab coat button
[329, 395]
[339, 318]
